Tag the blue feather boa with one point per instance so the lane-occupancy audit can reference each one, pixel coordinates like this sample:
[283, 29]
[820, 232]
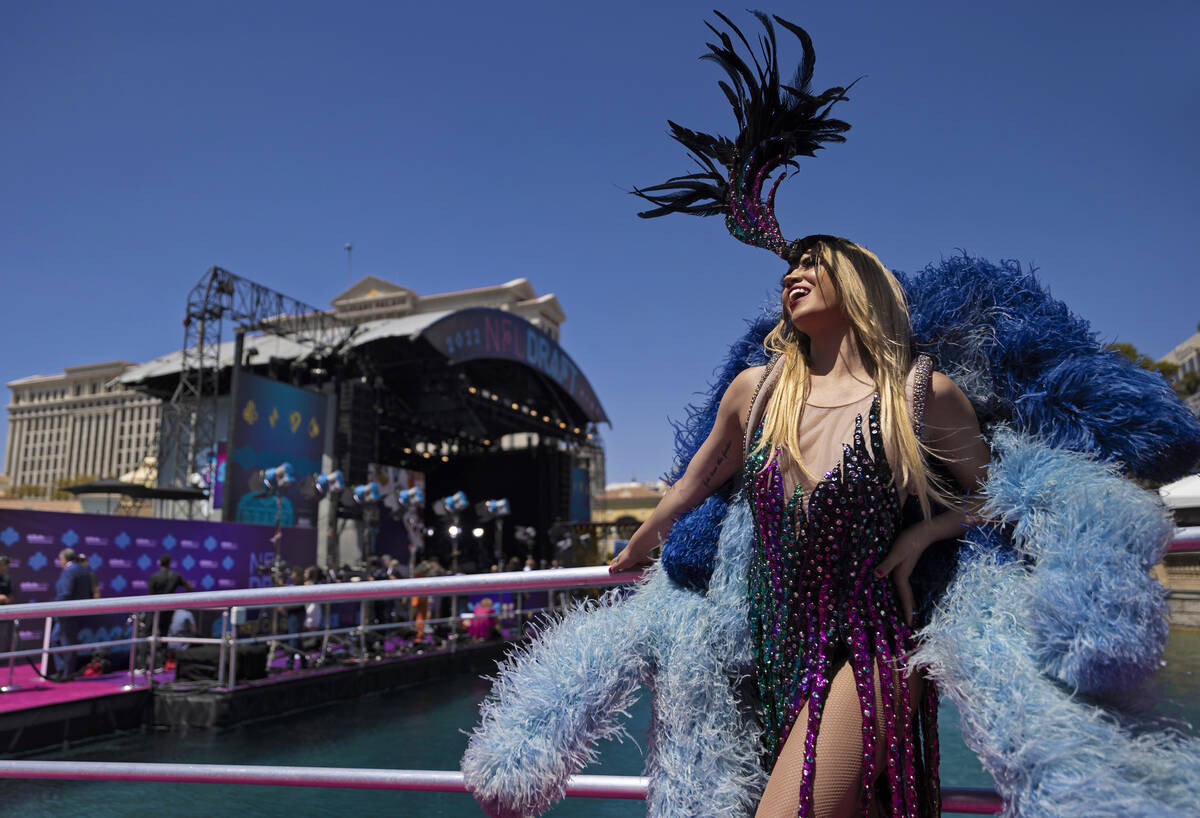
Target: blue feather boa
[1045, 620]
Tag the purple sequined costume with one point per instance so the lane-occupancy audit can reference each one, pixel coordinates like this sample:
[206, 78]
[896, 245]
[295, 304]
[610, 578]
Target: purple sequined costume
[815, 603]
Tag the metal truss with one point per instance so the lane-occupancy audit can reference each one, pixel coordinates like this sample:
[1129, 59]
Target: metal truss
[188, 431]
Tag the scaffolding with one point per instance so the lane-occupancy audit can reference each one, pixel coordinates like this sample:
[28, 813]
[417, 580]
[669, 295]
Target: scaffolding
[188, 430]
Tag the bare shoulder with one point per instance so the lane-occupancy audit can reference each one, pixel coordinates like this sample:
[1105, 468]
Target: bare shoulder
[741, 391]
[947, 405]
[742, 387]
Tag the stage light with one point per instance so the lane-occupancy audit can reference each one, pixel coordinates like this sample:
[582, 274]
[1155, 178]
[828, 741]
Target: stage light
[455, 503]
[454, 531]
[445, 459]
[410, 498]
[429, 532]
[326, 483]
[489, 509]
[478, 532]
[472, 390]
[367, 493]
[575, 430]
[514, 406]
[279, 477]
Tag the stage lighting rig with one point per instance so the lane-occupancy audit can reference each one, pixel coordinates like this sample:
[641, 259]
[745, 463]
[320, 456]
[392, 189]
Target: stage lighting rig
[326, 484]
[455, 504]
[367, 493]
[278, 478]
[410, 498]
[491, 509]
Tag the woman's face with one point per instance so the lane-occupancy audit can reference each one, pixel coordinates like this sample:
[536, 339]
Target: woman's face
[809, 298]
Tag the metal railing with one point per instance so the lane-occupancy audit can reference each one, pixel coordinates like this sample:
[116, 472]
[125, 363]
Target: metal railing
[977, 801]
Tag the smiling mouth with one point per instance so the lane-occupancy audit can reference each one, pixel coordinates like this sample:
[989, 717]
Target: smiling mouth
[795, 294]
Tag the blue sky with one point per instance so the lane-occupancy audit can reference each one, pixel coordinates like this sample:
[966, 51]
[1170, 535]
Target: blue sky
[458, 145]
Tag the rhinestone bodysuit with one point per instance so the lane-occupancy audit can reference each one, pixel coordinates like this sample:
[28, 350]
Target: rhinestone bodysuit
[815, 603]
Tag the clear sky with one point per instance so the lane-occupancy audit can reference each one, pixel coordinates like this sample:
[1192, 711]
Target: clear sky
[463, 144]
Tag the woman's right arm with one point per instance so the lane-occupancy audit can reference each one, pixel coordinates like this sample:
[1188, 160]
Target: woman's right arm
[717, 460]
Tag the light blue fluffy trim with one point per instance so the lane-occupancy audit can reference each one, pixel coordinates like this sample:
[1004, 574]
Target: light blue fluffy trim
[1021, 635]
[1097, 617]
[553, 700]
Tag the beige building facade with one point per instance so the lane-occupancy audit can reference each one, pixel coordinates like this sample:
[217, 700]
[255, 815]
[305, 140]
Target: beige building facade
[79, 423]
[1187, 357]
[624, 506]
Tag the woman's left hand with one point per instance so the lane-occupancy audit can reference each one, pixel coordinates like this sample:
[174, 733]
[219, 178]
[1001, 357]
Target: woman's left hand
[900, 562]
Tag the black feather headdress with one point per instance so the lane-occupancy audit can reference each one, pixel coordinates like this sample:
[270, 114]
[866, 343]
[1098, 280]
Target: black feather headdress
[777, 122]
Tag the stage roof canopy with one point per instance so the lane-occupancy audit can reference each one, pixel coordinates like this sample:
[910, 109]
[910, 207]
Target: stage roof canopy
[472, 373]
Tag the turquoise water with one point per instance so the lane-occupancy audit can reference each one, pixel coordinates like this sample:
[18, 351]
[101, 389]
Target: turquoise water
[419, 727]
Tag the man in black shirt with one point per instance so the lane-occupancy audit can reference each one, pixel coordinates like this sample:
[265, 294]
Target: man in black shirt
[165, 581]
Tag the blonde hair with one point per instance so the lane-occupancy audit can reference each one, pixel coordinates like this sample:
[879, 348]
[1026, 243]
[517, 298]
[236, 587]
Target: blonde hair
[875, 304]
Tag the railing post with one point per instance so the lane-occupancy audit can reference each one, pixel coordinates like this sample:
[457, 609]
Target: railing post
[133, 637]
[222, 648]
[153, 650]
[233, 633]
[46, 631]
[11, 687]
[362, 628]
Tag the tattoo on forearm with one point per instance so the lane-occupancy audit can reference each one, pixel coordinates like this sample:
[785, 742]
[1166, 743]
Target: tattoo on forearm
[721, 458]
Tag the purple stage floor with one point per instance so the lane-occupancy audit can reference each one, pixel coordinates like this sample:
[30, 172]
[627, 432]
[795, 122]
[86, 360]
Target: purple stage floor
[37, 692]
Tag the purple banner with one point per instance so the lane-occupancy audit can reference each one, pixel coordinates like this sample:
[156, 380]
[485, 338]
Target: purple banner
[123, 551]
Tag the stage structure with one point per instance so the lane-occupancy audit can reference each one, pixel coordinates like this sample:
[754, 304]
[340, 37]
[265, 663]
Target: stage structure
[189, 433]
[479, 400]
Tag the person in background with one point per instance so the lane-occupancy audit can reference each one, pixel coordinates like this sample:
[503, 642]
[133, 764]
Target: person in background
[165, 581]
[313, 611]
[183, 623]
[483, 621]
[74, 582]
[83, 560]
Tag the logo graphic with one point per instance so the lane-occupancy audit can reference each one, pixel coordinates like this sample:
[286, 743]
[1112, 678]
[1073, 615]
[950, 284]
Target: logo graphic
[118, 583]
[144, 562]
[38, 561]
[208, 582]
[9, 536]
[313, 428]
[294, 420]
[189, 562]
[70, 538]
[95, 561]
[210, 544]
[250, 413]
[274, 417]
[168, 542]
[227, 562]
[122, 540]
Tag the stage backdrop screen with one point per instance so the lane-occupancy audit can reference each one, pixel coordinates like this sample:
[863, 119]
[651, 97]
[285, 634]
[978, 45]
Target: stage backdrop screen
[275, 423]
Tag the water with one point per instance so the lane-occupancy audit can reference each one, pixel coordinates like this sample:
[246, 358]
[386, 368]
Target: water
[413, 728]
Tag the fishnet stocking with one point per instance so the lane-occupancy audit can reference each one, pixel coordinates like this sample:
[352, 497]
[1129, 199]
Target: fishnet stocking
[838, 768]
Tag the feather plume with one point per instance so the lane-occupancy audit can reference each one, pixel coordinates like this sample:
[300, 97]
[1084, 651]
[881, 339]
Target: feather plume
[777, 122]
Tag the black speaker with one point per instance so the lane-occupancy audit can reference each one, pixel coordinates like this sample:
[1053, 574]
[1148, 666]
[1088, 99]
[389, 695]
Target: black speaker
[199, 663]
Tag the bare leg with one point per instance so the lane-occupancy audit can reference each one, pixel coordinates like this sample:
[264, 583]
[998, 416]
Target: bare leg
[838, 769]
